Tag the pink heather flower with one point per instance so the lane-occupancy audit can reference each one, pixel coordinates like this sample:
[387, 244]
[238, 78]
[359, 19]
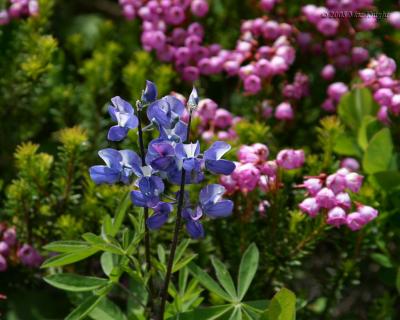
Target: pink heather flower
[232, 67]
[394, 19]
[367, 213]
[261, 150]
[252, 84]
[190, 74]
[29, 256]
[383, 115]
[174, 15]
[33, 8]
[3, 264]
[4, 248]
[387, 82]
[355, 221]
[279, 65]
[309, 206]
[354, 181]
[328, 72]
[199, 8]
[10, 237]
[329, 105]
[247, 176]
[207, 135]
[336, 182]
[367, 23]
[229, 183]
[267, 5]
[337, 90]
[367, 75]
[312, 13]
[4, 17]
[350, 163]
[313, 185]
[343, 200]
[207, 109]
[223, 135]
[359, 55]
[284, 111]
[129, 12]
[262, 207]
[336, 217]
[197, 29]
[263, 68]
[247, 154]
[395, 104]
[269, 168]
[263, 183]
[328, 27]
[326, 198]
[290, 159]
[385, 66]
[383, 96]
[223, 119]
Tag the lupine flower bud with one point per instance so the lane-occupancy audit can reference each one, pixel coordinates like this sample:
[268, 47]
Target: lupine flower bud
[309, 206]
[354, 181]
[313, 185]
[336, 217]
[326, 198]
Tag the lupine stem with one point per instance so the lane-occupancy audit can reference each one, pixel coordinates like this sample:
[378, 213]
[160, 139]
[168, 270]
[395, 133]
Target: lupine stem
[175, 239]
[145, 209]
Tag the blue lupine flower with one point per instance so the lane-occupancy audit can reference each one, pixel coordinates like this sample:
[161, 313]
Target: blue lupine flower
[121, 112]
[175, 134]
[213, 161]
[161, 155]
[165, 112]
[150, 188]
[193, 225]
[160, 215]
[149, 93]
[188, 155]
[211, 202]
[119, 166]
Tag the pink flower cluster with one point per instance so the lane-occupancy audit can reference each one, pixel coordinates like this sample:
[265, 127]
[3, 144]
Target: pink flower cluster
[331, 193]
[335, 91]
[215, 122]
[380, 77]
[19, 9]
[255, 170]
[10, 249]
[263, 50]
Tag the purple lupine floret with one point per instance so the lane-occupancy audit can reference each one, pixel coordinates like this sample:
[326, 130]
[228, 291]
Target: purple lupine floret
[160, 215]
[150, 92]
[192, 222]
[161, 155]
[188, 155]
[123, 113]
[119, 166]
[211, 201]
[166, 112]
[213, 161]
[175, 134]
[150, 188]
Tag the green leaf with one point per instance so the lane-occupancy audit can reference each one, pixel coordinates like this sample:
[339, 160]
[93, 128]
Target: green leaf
[282, 306]
[347, 145]
[81, 311]
[224, 277]
[107, 310]
[210, 313]
[382, 259]
[101, 244]
[68, 258]
[120, 214]
[398, 280]
[236, 314]
[356, 104]
[369, 126]
[247, 270]
[66, 246]
[75, 282]
[388, 180]
[378, 154]
[207, 282]
[183, 262]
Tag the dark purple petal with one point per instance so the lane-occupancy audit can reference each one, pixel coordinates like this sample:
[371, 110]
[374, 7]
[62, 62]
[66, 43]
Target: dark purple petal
[103, 174]
[220, 209]
[217, 150]
[195, 229]
[117, 133]
[150, 92]
[138, 199]
[225, 167]
[163, 164]
[157, 220]
[111, 157]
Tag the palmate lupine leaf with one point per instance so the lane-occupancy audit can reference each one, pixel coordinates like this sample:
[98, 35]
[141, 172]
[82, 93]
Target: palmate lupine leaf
[69, 257]
[224, 277]
[75, 282]
[247, 270]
